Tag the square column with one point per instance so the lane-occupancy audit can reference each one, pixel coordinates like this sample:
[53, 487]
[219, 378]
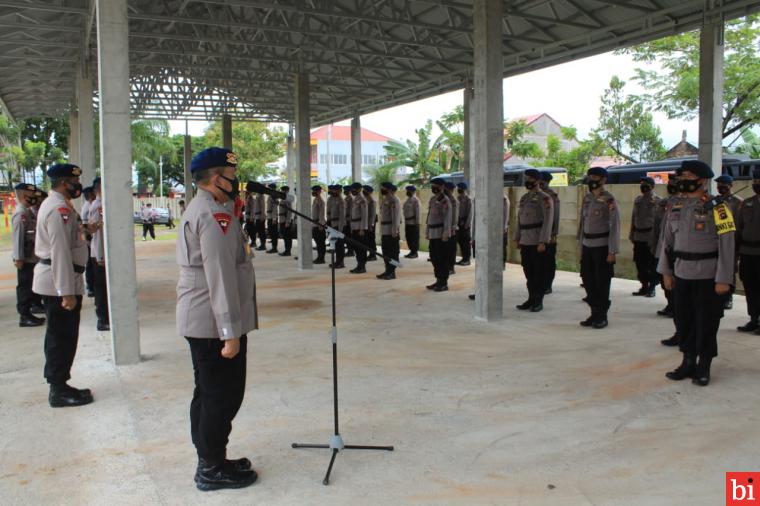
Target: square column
[290, 157]
[74, 137]
[86, 134]
[116, 168]
[467, 132]
[488, 148]
[711, 96]
[227, 131]
[188, 156]
[303, 170]
[356, 148]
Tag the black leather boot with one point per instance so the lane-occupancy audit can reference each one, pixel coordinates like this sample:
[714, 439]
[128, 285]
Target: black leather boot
[683, 371]
[525, 305]
[750, 326]
[702, 372]
[29, 320]
[64, 396]
[671, 341]
[210, 476]
[641, 291]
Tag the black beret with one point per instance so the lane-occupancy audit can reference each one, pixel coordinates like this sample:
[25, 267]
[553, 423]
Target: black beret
[449, 185]
[367, 188]
[213, 157]
[356, 186]
[533, 173]
[272, 186]
[546, 176]
[462, 186]
[437, 181]
[725, 178]
[647, 179]
[393, 187]
[25, 186]
[346, 187]
[597, 171]
[96, 182]
[387, 185]
[64, 170]
[285, 187]
[698, 168]
[411, 188]
[316, 187]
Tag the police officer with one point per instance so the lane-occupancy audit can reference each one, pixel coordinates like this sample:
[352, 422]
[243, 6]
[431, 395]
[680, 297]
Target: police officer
[97, 257]
[318, 210]
[551, 247]
[412, 221]
[371, 239]
[216, 308]
[349, 201]
[534, 227]
[464, 221]
[148, 220]
[665, 207]
[259, 223]
[724, 186]
[273, 231]
[359, 226]
[748, 242]
[702, 240]
[390, 225]
[438, 232]
[285, 219]
[58, 278]
[336, 218]
[24, 224]
[250, 229]
[89, 197]
[599, 234]
[451, 251]
[641, 235]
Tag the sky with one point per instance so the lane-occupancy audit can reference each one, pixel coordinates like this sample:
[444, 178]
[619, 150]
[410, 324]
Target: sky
[570, 93]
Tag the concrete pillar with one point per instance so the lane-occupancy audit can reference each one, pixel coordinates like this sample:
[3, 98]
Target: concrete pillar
[227, 131]
[290, 157]
[303, 169]
[188, 156]
[86, 134]
[467, 132]
[711, 96]
[116, 169]
[74, 137]
[486, 170]
[356, 148]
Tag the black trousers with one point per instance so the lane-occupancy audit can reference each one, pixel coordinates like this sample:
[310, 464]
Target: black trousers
[646, 269]
[61, 338]
[361, 253]
[412, 234]
[551, 264]
[439, 257]
[287, 236]
[25, 297]
[274, 234]
[597, 275]
[452, 251]
[320, 236]
[372, 242]
[348, 233]
[464, 240]
[89, 271]
[534, 267]
[250, 229]
[218, 394]
[148, 228]
[340, 251]
[749, 272]
[101, 294]
[698, 311]
[391, 248]
[260, 230]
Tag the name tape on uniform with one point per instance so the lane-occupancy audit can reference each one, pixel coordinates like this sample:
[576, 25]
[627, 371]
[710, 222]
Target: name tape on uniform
[724, 220]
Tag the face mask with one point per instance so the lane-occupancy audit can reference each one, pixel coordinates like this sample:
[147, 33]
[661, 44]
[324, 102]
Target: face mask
[593, 185]
[672, 188]
[409, 194]
[436, 189]
[756, 188]
[529, 185]
[73, 190]
[384, 192]
[31, 201]
[231, 194]
[724, 190]
[688, 185]
[645, 188]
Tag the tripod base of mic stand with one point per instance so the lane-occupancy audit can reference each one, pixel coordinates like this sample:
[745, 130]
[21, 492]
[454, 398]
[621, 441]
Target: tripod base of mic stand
[336, 445]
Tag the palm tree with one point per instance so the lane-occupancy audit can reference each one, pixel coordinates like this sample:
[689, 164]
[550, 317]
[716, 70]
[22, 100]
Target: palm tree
[420, 157]
[382, 174]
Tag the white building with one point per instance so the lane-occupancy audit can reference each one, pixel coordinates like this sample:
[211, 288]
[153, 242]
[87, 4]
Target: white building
[331, 152]
[542, 126]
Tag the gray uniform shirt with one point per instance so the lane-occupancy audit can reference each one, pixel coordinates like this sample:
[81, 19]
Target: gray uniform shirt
[555, 212]
[748, 226]
[272, 207]
[660, 211]
[534, 219]
[693, 230]
[259, 207]
[216, 291]
[249, 207]
[390, 215]
[371, 211]
[336, 212]
[465, 211]
[285, 214]
[349, 200]
[24, 224]
[318, 208]
[642, 218]
[600, 222]
[59, 239]
[95, 219]
[734, 203]
[359, 214]
[412, 210]
[439, 217]
[454, 212]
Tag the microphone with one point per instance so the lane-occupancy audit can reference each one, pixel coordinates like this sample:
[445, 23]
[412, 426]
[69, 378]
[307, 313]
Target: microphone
[254, 187]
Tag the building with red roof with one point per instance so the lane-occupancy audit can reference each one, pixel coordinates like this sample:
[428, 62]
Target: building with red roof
[331, 152]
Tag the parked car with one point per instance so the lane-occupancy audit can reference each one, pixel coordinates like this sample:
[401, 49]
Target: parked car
[514, 175]
[738, 168]
[162, 216]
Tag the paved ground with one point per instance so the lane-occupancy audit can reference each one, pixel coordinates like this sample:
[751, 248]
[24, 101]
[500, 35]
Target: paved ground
[532, 410]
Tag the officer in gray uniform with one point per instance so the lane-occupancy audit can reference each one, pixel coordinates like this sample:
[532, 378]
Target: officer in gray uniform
[438, 232]
[216, 308]
[336, 218]
[285, 219]
[259, 220]
[318, 214]
[371, 237]
[642, 236]
[464, 222]
[724, 186]
[412, 221]
[250, 229]
[359, 226]
[273, 230]
[89, 196]
[390, 228]
[702, 239]
[599, 234]
[349, 201]
[534, 229]
[672, 204]
[58, 279]
[97, 257]
[24, 225]
[448, 190]
[551, 248]
[748, 243]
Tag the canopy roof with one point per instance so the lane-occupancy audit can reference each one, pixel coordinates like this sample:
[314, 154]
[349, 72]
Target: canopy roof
[198, 59]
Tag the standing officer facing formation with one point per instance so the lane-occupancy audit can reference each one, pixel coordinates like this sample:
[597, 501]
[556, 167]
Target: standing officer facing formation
[642, 236]
[390, 224]
[285, 219]
[702, 240]
[58, 278]
[724, 185]
[534, 228]
[359, 226]
[748, 242]
[273, 208]
[336, 218]
[97, 257]
[216, 308]
[551, 248]
[89, 196]
[24, 224]
[438, 232]
[412, 221]
[672, 204]
[451, 251]
[599, 234]
[464, 220]
[318, 210]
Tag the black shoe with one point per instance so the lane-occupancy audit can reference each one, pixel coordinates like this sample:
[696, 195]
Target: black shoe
[600, 323]
[585, 299]
[358, 270]
[463, 263]
[381, 275]
[524, 306]
[66, 396]
[104, 327]
[30, 321]
[261, 248]
[642, 291]
[471, 296]
[411, 255]
[237, 464]
[729, 304]
[671, 341]
[548, 291]
[441, 288]
[350, 254]
[372, 259]
[702, 372]
[666, 311]
[750, 326]
[452, 272]
[318, 261]
[285, 254]
[37, 310]
[535, 308]
[389, 276]
[338, 266]
[270, 251]
[589, 321]
[433, 286]
[650, 293]
[226, 475]
[683, 371]
[90, 294]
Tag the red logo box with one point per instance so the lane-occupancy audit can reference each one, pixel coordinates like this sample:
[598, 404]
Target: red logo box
[742, 489]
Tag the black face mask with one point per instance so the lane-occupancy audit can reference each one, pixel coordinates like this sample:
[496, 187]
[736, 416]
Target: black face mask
[436, 189]
[756, 188]
[231, 194]
[409, 194]
[593, 185]
[688, 185]
[383, 192]
[645, 188]
[724, 190]
[73, 190]
[672, 188]
[31, 201]
[529, 185]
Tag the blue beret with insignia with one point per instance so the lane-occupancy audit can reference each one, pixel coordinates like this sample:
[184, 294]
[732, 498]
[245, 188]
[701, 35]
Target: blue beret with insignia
[647, 180]
[546, 176]
[411, 188]
[64, 170]
[367, 188]
[533, 173]
[462, 186]
[213, 157]
[449, 185]
[597, 171]
[387, 185]
[356, 186]
[698, 168]
[437, 181]
[25, 186]
[725, 178]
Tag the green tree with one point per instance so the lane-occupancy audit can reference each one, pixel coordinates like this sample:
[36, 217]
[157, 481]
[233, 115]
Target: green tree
[674, 89]
[750, 145]
[256, 145]
[421, 157]
[514, 133]
[151, 145]
[450, 144]
[382, 174]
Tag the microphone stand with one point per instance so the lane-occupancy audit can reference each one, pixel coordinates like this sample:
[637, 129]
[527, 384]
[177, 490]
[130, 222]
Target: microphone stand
[335, 445]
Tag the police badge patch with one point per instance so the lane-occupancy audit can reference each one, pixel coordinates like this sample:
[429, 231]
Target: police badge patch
[224, 220]
[65, 213]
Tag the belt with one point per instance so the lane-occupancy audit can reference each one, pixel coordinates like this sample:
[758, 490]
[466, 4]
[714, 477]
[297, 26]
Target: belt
[79, 269]
[410, 217]
[751, 244]
[684, 255]
[642, 229]
[596, 236]
[386, 222]
[355, 219]
[532, 225]
[436, 226]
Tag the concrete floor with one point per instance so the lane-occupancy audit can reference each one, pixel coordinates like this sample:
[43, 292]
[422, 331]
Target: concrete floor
[532, 410]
